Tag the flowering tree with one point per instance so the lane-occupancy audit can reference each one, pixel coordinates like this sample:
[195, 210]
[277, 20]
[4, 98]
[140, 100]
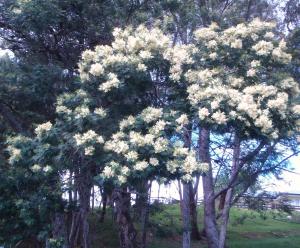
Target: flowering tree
[238, 82]
[118, 81]
[137, 65]
[62, 152]
[141, 97]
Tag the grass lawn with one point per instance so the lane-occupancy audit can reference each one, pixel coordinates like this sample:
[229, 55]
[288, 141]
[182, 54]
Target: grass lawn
[247, 229]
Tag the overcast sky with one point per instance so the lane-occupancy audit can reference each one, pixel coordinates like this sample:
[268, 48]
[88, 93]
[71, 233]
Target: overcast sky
[290, 183]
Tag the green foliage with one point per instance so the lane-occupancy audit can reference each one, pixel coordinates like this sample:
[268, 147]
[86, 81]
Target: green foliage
[28, 197]
[165, 229]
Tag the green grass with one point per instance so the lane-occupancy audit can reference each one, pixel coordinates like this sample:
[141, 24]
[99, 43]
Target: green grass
[246, 229]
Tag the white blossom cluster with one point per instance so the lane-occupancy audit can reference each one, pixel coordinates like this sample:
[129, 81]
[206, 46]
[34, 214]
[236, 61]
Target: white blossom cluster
[151, 114]
[15, 154]
[223, 93]
[39, 168]
[112, 82]
[78, 106]
[16, 150]
[179, 55]
[101, 112]
[142, 146]
[131, 48]
[42, 128]
[87, 140]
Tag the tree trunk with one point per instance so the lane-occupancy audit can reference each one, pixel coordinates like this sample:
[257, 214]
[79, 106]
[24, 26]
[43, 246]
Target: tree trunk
[104, 204]
[228, 197]
[195, 235]
[210, 223]
[84, 191]
[145, 217]
[74, 225]
[74, 229]
[186, 235]
[93, 198]
[141, 199]
[180, 196]
[225, 217]
[127, 232]
[158, 192]
[59, 230]
[222, 201]
[70, 188]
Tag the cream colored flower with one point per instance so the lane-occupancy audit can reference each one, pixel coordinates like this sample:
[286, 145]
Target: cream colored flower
[203, 113]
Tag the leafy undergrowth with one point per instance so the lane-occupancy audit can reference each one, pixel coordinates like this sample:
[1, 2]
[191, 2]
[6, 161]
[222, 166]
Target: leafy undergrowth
[247, 229]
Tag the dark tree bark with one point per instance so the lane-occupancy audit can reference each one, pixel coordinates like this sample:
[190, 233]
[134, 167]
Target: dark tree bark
[74, 229]
[104, 205]
[222, 200]
[186, 234]
[202, 4]
[248, 12]
[180, 196]
[210, 223]
[84, 191]
[79, 231]
[93, 198]
[188, 207]
[195, 235]
[127, 232]
[141, 199]
[59, 230]
[225, 218]
[74, 226]
[145, 217]
[229, 193]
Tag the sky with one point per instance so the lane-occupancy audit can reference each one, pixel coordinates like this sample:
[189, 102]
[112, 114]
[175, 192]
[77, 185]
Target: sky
[290, 183]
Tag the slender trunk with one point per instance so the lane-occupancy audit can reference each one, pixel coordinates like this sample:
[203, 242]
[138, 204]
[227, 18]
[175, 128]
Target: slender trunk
[145, 217]
[225, 217]
[78, 234]
[127, 232]
[187, 197]
[248, 12]
[229, 193]
[75, 196]
[195, 235]
[210, 223]
[75, 226]
[59, 230]
[222, 201]
[93, 198]
[75, 216]
[141, 199]
[84, 190]
[158, 192]
[70, 187]
[104, 204]
[186, 235]
[180, 196]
